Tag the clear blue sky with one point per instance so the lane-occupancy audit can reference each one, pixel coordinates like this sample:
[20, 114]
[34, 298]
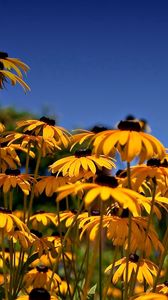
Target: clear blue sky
[91, 61]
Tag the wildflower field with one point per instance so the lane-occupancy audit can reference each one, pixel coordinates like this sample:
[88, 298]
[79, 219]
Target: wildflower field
[73, 225]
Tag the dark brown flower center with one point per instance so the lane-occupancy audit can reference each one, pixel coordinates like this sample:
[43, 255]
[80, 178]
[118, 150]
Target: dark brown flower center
[48, 121]
[1, 66]
[39, 294]
[153, 162]
[110, 181]
[133, 257]
[3, 55]
[15, 172]
[82, 153]
[125, 213]
[98, 128]
[5, 210]
[42, 268]
[95, 212]
[129, 125]
[36, 232]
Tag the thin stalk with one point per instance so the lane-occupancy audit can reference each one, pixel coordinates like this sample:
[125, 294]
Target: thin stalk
[4, 268]
[161, 265]
[62, 250]
[35, 177]
[110, 274]
[90, 270]
[100, 250]
[80, 271]
[63, 241]
[10, 200]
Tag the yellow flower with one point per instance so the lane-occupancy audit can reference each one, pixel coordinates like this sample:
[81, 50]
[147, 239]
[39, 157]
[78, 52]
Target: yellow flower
[83, 136]
[24, 238]
[153, 169]
[151, 296]
[83, 161]
[46, 128]
[117, 230]
[40, 244]
[40, 277]
[69, 216]
[6, 64]
[42, 217]
[49, 184]
[26, 140]
[13, 178]
[9, 157]
[8, 221]
[147, 269]
[129, 141]
[106, 188]
[45, 259]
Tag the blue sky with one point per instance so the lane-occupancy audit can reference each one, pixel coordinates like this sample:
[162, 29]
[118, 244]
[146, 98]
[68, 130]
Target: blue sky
[91, 61]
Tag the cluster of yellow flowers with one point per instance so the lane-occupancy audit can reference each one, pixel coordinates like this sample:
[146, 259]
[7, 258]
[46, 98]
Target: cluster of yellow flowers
[105, 234]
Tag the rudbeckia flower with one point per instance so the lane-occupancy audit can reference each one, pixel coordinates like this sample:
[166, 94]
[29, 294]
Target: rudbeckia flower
[26, 140]
[9, 157]
[147, 269]
[57, 245]
[83, 161]
[69, 215]
[24, 238]
[106, 188]
[49, 184]
[130, 142]
[117, 230]
[46, 259]
[6, 65]
[151, 296]
[46, 128]
[40, 244]
[40, 277]
[83, 136]
[13, 178]
[8, 221]
[42, 217]
[153, 169]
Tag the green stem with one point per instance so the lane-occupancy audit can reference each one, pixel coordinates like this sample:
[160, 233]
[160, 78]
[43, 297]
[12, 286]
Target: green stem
[62, 250]
[100, 250]
[35, 177]
[110, 274]
[161, 265]
[63, 241]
